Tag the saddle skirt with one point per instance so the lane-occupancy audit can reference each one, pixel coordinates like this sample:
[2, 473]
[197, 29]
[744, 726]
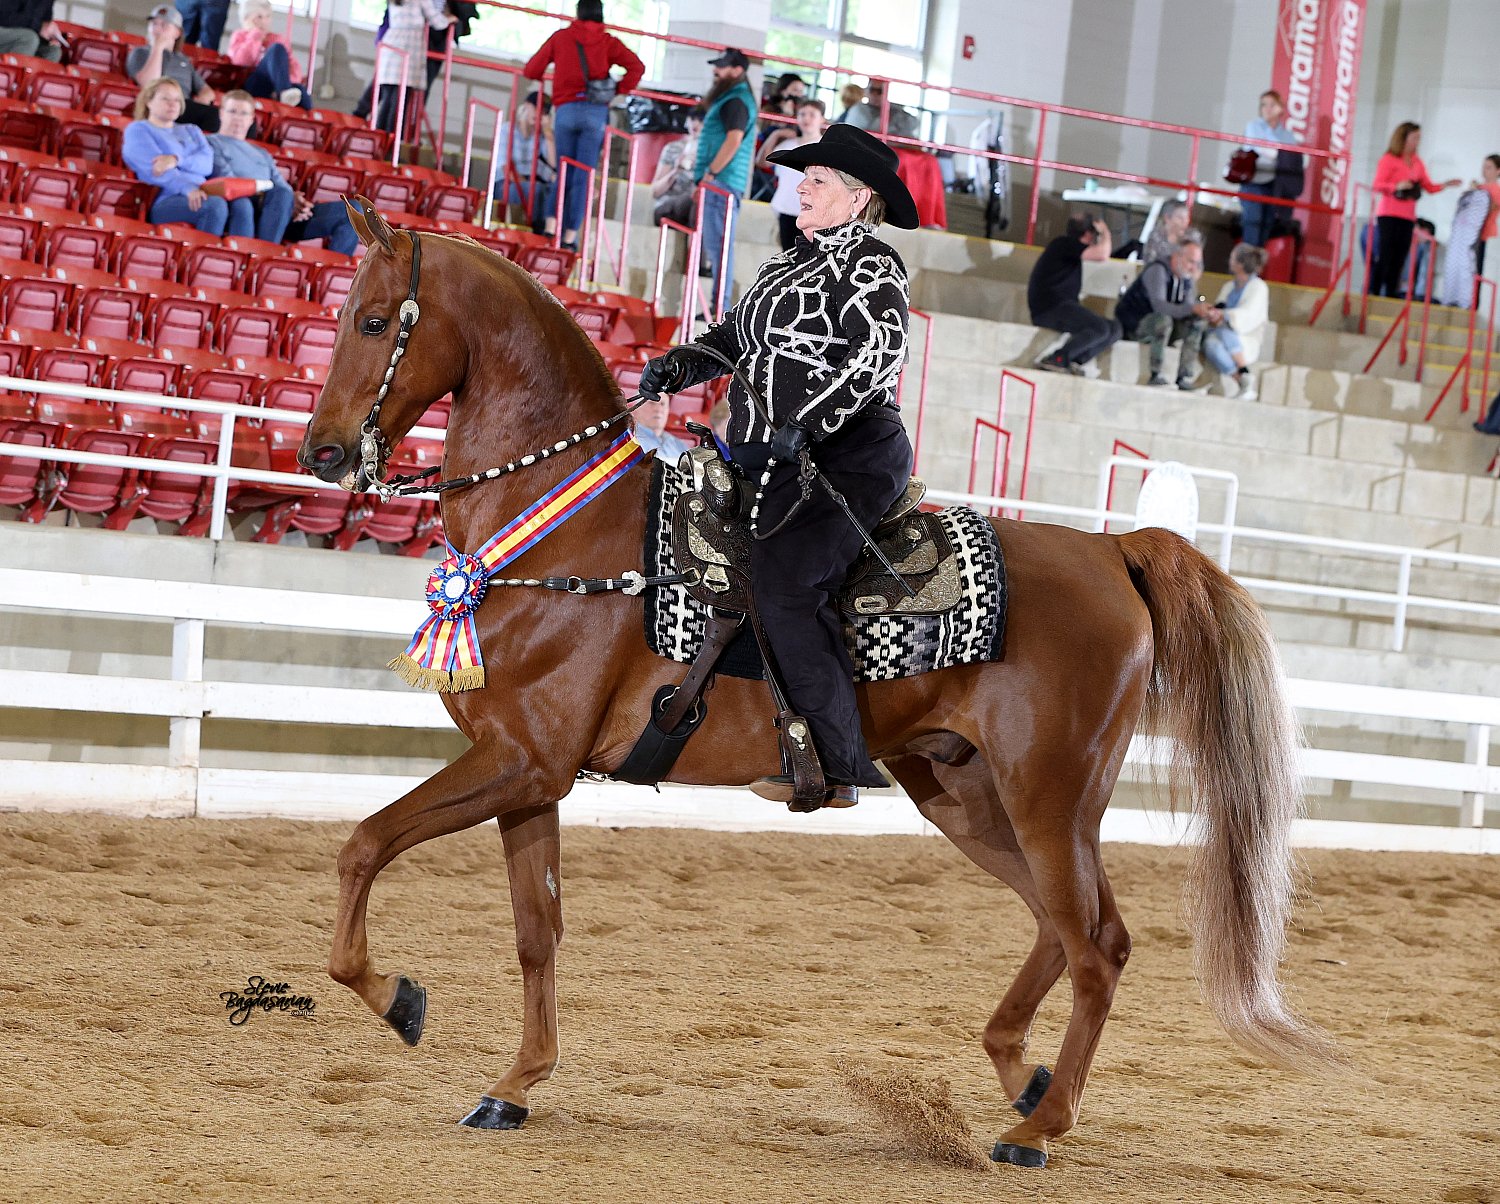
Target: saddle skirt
[951, 559]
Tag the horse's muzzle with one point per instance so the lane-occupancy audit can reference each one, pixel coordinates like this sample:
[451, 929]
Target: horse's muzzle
[330, 462]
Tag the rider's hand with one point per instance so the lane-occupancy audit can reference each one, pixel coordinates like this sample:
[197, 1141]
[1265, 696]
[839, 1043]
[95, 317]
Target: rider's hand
[787, 443]
[664, 374]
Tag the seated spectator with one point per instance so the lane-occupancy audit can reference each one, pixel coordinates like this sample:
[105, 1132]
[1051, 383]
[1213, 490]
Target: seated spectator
[525, 148]
[850, 95]
[284, 215]
[27, 27]
[1243, 305]
[159, 58]
[673, 187]
[651, 430]
[785, 202]
[276, 73]
[1160, 308]
[177, 159]
[1053, 290]
[1171, 224]
[899, 121]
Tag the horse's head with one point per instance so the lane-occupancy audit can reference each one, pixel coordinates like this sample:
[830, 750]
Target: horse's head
[390, 337]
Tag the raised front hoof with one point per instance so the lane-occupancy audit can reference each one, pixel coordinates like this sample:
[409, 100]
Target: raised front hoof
[1026, 1102]
[408, 1010]
[1018, 1155]
[495, 1113]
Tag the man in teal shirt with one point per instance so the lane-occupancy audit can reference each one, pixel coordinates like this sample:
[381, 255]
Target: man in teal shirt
[726, 148]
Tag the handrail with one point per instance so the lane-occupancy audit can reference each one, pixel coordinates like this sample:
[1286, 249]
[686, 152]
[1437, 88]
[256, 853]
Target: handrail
[621, 261]
[1466, 361]
[1115, 448]
[721, 284]
[1403, 318]
[405, 56]
[1000, 471]
[916, 440]
[564, 165]
[489, 188]
[1006, 376]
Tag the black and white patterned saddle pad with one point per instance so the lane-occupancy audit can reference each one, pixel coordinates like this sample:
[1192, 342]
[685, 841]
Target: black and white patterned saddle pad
[882, 647]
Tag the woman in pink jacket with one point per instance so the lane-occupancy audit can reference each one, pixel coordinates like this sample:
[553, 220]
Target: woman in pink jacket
[1400, 178]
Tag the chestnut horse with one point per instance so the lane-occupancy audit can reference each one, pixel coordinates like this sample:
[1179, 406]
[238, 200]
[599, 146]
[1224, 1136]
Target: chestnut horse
[1014, 762]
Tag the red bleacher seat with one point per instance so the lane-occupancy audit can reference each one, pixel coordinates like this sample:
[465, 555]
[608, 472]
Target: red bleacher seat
[98, 52]
[221, 384]
[147, 256]
[331, 182]
[55, 90]
[26, 125]
[249, 330]
[69, 366]
[289, 393]
[213, 266]
[627, 374]
[114, 197]
[450, 202]
[283, 277]
[76, 246]
[321, 513]
[13, 269]
[97, 488]
[13, 355]
[82, 136]
[309, 340]
[24, 482]
[148, 420]
[331, 283]
[35, 304]
[359, 141]
[17, 236]
[298, 133]
[176, 497]
[145, 375]
[53, 185]
[392, 191]
[73, 415]
[180, 322]
[550, 265]
[111, 96]
[110, 313]
[410, 523]
[596, 321]
[11, 79]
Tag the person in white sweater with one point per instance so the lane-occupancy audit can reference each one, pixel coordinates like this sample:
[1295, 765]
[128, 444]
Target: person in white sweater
[1244, 303]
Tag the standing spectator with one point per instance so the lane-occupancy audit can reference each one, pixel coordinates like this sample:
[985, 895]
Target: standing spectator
[407, 31]
[672, 188]
[1166, 236]
[534, 153]
[1244, 306]
[464, 15]
[159, 57]
[276, 73]
[1277, 173]
[284, 215]
[1400, 178]
[725, 151]
[1160, 308]
[651, 430]
[900, 121]
[785, 202]
[27, 27]
[581, 56]
[850, 95]
[177, 159]
[1052, 295]
[203, 22]
[1489, 180]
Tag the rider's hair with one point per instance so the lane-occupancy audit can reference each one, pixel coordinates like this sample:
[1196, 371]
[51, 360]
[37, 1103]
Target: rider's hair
[874, 211]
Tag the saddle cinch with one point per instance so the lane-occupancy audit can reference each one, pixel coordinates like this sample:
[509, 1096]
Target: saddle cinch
[711, 542]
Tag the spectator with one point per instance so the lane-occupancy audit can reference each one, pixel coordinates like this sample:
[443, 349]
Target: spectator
[284, 215]
[1277, 173]
[725, 151]
[27, 27]
[203, 22]
[159, 57]
[673, 187]
[900, 121]
[1489, 180]
[785, 202]
[651, 430]
[1160, 308]
[1244, 306]
[581, 56]
[276, 73]
[407, 32]
[177, 159]
[1490, 423]
[1425, 248]
[1400, 178]
[850, 95]
[464, 15]
[535, 156]
[1052, 294]
[1171, 224]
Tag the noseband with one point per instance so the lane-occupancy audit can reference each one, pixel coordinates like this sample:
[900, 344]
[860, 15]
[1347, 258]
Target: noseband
[374, 449]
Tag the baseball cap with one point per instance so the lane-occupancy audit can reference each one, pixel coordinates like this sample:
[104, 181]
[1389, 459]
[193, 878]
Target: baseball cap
[165, 12]
[730, 58]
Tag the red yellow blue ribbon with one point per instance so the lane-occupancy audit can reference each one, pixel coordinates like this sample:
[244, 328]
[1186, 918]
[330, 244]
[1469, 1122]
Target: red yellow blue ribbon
[444, 653]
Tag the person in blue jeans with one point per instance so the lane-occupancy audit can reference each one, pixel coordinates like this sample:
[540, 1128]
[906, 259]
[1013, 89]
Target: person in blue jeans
[283, 215]
[203, 21]
[725, 150]
[177, 159]
[580, 54]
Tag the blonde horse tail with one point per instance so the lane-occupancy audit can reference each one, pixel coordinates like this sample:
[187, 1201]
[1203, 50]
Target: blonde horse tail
[1217, 692]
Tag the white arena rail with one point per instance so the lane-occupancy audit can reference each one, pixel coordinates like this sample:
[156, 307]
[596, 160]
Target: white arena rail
[183, 787]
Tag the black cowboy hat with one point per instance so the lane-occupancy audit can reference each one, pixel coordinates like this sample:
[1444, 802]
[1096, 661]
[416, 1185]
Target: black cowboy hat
[865, 157]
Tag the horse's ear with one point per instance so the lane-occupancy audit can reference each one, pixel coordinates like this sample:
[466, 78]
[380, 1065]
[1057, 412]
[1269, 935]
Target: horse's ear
[368, 223]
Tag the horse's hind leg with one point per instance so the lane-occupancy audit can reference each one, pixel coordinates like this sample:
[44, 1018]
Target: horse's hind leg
[459, 796]
[532, 851]
[967, 810]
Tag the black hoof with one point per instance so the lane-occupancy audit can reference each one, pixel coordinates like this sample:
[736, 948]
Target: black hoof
[1027, 1101]
[495, 1113]
[407, 1010]
[1018, 1155]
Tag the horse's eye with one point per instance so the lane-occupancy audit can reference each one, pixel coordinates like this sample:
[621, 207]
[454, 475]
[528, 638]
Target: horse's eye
[373, 325]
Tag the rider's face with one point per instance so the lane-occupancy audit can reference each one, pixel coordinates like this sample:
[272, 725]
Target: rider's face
[826, 200]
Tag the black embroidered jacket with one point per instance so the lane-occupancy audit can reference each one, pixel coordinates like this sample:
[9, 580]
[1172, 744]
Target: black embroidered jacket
[821, 333]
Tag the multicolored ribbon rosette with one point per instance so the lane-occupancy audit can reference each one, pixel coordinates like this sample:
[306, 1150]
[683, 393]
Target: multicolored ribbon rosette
[444, 654]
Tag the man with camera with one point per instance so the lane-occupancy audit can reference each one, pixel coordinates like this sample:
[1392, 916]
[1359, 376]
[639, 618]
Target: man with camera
[1053, 290]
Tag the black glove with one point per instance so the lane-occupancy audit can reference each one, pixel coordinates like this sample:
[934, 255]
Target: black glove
[787, 443]
[664, 374]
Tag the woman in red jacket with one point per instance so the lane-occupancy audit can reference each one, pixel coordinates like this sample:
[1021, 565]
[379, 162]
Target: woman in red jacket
[1400, 178]
[580, 54]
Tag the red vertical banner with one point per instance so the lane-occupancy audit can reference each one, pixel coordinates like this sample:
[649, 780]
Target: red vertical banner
[1318, 44]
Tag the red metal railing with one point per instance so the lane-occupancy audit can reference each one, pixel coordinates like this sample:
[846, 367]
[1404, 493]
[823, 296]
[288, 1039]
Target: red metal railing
[488, 212]
[1116, 448]
[1465, 363]
[1403, 318]
[1006, 376]
[1000, 472]
[581, 270]
[621, 260]
[916, 439]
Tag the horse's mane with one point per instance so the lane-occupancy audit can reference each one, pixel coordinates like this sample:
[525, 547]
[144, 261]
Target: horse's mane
[523, 279]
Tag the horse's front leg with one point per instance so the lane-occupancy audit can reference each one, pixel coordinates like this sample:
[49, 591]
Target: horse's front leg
[459, 796]
[532, 849]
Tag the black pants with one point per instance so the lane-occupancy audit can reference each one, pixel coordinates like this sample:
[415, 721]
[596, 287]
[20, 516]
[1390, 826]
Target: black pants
[797, 573]
[385, 113]
[1091, 333]
[1395, 242]
[205, 117]
[786, 225]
